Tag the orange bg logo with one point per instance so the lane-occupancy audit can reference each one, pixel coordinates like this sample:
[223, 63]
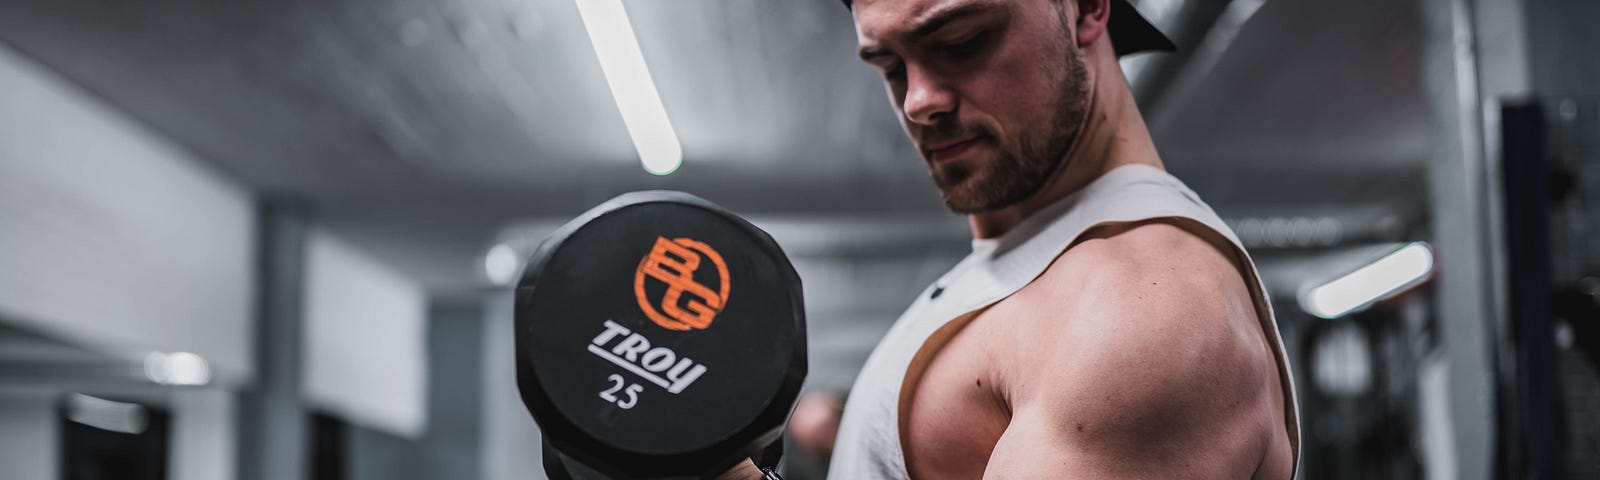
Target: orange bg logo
[674, 262]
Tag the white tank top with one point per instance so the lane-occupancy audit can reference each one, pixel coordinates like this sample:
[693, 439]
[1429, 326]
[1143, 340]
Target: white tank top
[868, 445]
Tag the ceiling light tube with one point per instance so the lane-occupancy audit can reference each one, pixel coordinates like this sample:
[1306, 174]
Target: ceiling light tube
[1395, 272]
[631, 85]
[120, 417]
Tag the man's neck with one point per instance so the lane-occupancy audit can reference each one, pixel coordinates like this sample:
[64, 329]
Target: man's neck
[1113, 134]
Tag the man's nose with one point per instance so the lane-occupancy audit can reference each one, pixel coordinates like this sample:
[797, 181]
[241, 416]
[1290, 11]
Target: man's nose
[927, 98]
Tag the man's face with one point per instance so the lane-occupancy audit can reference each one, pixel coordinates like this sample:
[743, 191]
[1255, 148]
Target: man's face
[993, 92]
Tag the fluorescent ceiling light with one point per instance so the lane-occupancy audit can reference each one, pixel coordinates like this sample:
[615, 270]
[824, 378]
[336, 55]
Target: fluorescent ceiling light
[631, 86]
[1395, 272]
[120, 417]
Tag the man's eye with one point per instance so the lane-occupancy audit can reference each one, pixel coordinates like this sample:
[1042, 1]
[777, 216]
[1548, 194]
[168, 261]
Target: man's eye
[966, 47]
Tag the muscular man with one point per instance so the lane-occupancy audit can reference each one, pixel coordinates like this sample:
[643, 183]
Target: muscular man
[1107, 324]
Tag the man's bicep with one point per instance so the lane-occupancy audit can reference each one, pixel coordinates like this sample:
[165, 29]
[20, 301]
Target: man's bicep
[1138, 409]
[1034, 447]
[1149, 370]
[1041, 445]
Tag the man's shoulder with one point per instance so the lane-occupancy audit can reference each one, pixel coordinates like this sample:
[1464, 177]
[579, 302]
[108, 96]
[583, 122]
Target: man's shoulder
[1141, 315]
[1142, 343]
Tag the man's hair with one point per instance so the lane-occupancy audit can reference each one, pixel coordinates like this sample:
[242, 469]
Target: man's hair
[1129, 30]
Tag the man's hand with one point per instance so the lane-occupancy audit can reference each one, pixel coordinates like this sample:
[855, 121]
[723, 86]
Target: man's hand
[745, 470]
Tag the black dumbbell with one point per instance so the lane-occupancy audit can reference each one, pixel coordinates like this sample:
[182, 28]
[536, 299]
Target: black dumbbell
[658, 336]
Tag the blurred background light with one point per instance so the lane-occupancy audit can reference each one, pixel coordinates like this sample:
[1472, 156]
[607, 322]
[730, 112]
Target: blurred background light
[501, 264]
[631, 86]
[177, 368]
[1391, 274]
[105, 414]
[1342, 362]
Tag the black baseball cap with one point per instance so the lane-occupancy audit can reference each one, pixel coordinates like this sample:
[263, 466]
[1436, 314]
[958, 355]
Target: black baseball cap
[1129, 30]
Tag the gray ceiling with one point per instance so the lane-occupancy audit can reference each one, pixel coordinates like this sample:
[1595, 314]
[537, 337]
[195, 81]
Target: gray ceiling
[418, 128]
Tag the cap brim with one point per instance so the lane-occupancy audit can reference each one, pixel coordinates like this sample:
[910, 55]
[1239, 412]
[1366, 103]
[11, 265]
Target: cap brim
[1131, 33]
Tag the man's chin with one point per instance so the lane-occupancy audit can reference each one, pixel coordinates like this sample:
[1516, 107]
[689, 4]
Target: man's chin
[978, 193]
[967, 190]
[966, 198]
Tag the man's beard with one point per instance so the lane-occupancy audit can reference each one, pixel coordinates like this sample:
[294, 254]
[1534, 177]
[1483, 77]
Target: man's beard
[1027, 161]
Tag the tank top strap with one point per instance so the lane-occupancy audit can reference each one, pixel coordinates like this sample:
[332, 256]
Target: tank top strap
[1003, 265]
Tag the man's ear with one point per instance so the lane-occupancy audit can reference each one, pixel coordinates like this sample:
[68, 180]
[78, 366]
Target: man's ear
[1092, 17]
